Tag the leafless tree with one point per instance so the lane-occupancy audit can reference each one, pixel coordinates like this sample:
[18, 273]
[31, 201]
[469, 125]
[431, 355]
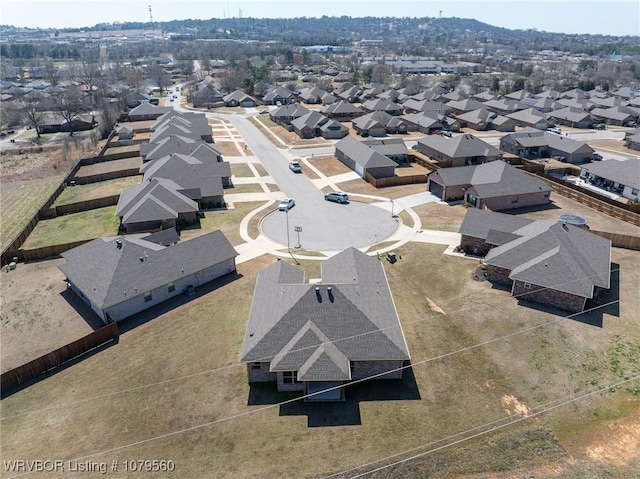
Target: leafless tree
[29, 107]
[70, 104]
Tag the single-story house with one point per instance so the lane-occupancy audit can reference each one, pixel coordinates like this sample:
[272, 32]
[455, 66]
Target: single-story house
[285, 114]
[529, 118]
[351, 94]
[622, 177]
[482, 120]
[468, 104]
[123, 275]
[207, 96]
[379, 104]
[147, 111]
[179, 144]
[495, 186]
[632, 139]
[616, 115]
[423, 122]
[532, 143]
[457, 151]
[572, 116]
[187, 124]
[154, 205]
[548, 262]
[58, 124]
[378, 123]
[364, 159]
[239, 98]
[316, 124]
[434, 107]
[280, 95]
[317, 337]
[341, 111]
[312, 95]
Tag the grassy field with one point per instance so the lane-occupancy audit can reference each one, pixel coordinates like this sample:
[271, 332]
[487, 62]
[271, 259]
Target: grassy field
[329, 165]
[244, 188]
[434, 216]
[95, 190]
[74, 227]
[21, 200]
[180, 370]
[241, 170]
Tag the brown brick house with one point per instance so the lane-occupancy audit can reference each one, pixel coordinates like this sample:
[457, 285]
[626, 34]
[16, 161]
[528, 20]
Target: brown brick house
[543, 261]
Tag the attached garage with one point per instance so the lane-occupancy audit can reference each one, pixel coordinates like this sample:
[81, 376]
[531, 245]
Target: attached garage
[436, 188]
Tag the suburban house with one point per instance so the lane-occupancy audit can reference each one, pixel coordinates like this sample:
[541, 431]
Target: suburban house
[617, 115]
[202, 181]
[482, 120]
[123, 275]
[351, 94]
[457, 151]
[278, 95]
[547, 262]
[572, 116]
[153, 205]
[529, 118]
[178, 144]
[312, 95]
[504, 106]
[342, 110]
[532, 143]
[316, 337]
[423, 122]
[316, 124]
[134, 99]
[187, 124]
[285, 114]
[434, 107]
[468, 104]
[632, 139]
[622, 177]
[393, 148]
[239, 98]
[380, 104]
[495, 186]
[378, 123]
[58, 124]
[207, 96]
[147, 111]
[364, 159]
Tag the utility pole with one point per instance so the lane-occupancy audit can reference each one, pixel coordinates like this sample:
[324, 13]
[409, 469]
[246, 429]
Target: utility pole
[150, 15]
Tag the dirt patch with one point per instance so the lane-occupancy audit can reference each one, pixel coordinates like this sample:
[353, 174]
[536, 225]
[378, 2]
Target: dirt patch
[394, 192]
[228, 148]
[433, 306]
[513, 407]
[441, 217]
[39, 314]
[613, 146]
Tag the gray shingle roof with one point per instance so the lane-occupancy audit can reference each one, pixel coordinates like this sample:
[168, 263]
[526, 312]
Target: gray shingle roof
[154, 200]
[556, 256]
[626, 172]
[363, 154]
[109, 275]
[462, 146]
[316, 330]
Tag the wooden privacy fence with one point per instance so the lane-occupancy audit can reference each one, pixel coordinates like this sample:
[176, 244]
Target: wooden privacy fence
[395, 180]
[619, 240]
[47, 251]
[79, 206]
[109, 175]
[32, 369]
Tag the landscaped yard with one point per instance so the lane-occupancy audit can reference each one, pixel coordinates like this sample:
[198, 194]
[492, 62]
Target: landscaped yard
[244, 188]
[435, 216]
[74, 227]
[92, 191]
[227, 148]
[241, 170]
[174, 387]
[20, 201]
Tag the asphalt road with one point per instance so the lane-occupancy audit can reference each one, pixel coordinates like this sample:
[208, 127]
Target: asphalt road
[326, 226]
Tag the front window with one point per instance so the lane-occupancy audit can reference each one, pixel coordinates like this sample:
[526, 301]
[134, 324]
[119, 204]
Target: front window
[147, 296]
[171, 287]
[290, 377]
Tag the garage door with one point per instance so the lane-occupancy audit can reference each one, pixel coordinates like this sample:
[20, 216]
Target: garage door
[436, 188]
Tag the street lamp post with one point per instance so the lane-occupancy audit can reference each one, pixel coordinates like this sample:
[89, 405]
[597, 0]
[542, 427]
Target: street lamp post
[288, 244]
[392, 215]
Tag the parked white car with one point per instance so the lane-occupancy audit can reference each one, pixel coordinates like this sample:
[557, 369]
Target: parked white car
[287, 204]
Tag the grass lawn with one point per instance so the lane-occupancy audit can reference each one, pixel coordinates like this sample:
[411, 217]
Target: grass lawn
[95, 190]
[228, 148]
[244, 188]
[200, 343]
[329, 165]
[228, 221]
[19, 202]
[261, 169]
[434, 216]
[241, 170]
[74, 227]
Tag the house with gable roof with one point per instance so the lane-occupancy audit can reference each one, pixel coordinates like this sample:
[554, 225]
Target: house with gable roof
[316, 124]
[460, 150]
[532, 143]
[495, 186]
[121, 276]
[378, 123]
[341, 111]
[364, 159]
[240, 98]
[548, 262]
[316, 337]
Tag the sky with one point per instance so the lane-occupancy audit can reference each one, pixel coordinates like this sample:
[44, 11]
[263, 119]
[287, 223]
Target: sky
[613, 17]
